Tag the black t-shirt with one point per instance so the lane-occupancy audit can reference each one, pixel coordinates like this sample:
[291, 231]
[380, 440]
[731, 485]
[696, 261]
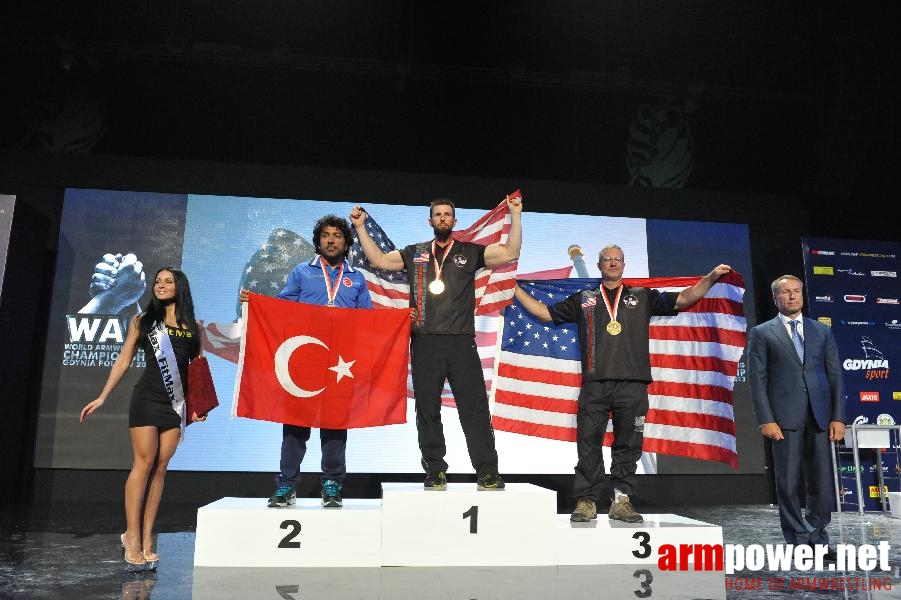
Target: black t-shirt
[453, 310]
[622, 356]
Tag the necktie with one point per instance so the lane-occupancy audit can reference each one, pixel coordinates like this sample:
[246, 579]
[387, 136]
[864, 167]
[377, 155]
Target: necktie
[797, 340]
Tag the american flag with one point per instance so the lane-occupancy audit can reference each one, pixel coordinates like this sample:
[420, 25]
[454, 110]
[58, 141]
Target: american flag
[694, 360]
[494, 287]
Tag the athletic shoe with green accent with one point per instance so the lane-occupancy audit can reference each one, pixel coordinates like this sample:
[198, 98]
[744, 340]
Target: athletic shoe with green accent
[435, 482]
[490, 482]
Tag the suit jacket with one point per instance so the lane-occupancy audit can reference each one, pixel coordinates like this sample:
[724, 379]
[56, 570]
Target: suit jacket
[782, 388]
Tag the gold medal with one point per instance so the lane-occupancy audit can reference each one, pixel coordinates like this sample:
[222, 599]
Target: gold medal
[614, 328]
[437, 286]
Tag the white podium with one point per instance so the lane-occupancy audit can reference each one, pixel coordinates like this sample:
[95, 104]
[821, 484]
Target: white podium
[244, 532]
[465, 527]
[461, 527]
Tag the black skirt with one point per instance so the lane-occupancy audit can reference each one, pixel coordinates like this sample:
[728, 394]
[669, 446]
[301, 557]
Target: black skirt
[149, 408]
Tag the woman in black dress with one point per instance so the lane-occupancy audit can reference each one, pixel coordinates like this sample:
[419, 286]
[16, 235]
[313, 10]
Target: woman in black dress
[168, 333]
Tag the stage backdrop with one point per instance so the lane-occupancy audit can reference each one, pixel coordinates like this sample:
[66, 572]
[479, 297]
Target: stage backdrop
[222, 243]
[853, 286]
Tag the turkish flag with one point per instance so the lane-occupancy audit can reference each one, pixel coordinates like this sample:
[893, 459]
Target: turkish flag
[321, 366]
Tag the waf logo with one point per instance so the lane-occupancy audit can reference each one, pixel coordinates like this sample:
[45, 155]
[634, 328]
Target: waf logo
[869, 396]
[873, 363]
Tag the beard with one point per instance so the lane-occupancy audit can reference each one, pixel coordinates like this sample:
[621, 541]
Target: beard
[332, 256]
[442, 235]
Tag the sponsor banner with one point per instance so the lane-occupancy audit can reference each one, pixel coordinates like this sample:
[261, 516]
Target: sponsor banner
[864, 311]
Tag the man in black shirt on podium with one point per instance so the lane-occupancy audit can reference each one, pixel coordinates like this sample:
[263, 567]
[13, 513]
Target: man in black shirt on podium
[616, 371]
[443, 347]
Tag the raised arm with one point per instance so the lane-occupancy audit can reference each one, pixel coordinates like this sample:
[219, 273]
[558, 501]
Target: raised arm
[390, 261]
[495, 254]
[691, 295]
[538, 309]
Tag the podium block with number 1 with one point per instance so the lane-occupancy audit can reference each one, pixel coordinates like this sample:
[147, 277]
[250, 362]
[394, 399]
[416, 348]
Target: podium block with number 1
[466, 527]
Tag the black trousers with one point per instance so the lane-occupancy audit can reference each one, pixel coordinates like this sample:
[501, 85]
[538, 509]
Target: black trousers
[455, 358]
[803, 460]
[628, 401]
[294, 447]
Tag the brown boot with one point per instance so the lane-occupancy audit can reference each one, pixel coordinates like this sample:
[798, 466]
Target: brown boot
[622, 510]
[585, 511]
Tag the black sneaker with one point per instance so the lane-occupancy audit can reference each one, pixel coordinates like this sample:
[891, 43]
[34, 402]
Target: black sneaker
[331, 494]
[435, 482]
[490, 482]
[283, 496]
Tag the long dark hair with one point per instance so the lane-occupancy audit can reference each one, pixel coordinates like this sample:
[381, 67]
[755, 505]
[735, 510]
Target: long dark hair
[155, 311]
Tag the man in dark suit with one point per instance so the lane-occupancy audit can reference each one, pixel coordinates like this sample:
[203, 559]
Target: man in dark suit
[796, 387]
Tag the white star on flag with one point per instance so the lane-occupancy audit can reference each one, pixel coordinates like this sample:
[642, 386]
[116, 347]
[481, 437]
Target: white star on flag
[343, 368]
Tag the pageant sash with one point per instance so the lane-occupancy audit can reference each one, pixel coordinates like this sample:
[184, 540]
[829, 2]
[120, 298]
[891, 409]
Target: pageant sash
[165, 358]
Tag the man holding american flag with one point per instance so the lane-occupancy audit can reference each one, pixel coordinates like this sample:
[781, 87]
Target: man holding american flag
[442, 275]
[613, 332]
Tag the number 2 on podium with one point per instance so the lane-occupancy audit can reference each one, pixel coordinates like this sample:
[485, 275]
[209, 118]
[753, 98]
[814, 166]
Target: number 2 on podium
[288, 540]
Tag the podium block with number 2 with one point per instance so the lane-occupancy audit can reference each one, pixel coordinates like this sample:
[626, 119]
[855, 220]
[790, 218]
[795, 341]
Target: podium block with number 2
[242, 532]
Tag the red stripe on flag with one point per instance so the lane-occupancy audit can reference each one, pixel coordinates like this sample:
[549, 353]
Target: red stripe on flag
[388, 292]
[690, 390]
[695, 363]
[567, 407]
[717, 305]
[551, 432]
[691, 420]
[698, 334]
[692, 450]
[529, 375]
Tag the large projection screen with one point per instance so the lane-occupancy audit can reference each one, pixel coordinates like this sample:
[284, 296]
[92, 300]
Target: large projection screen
[213, 239]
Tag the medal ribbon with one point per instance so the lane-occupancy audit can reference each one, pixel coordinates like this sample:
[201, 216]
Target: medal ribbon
[439, 268]
[612, 311]
[331, 290]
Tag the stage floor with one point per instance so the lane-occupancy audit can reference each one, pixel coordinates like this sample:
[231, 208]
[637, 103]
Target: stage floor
[73, 552]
